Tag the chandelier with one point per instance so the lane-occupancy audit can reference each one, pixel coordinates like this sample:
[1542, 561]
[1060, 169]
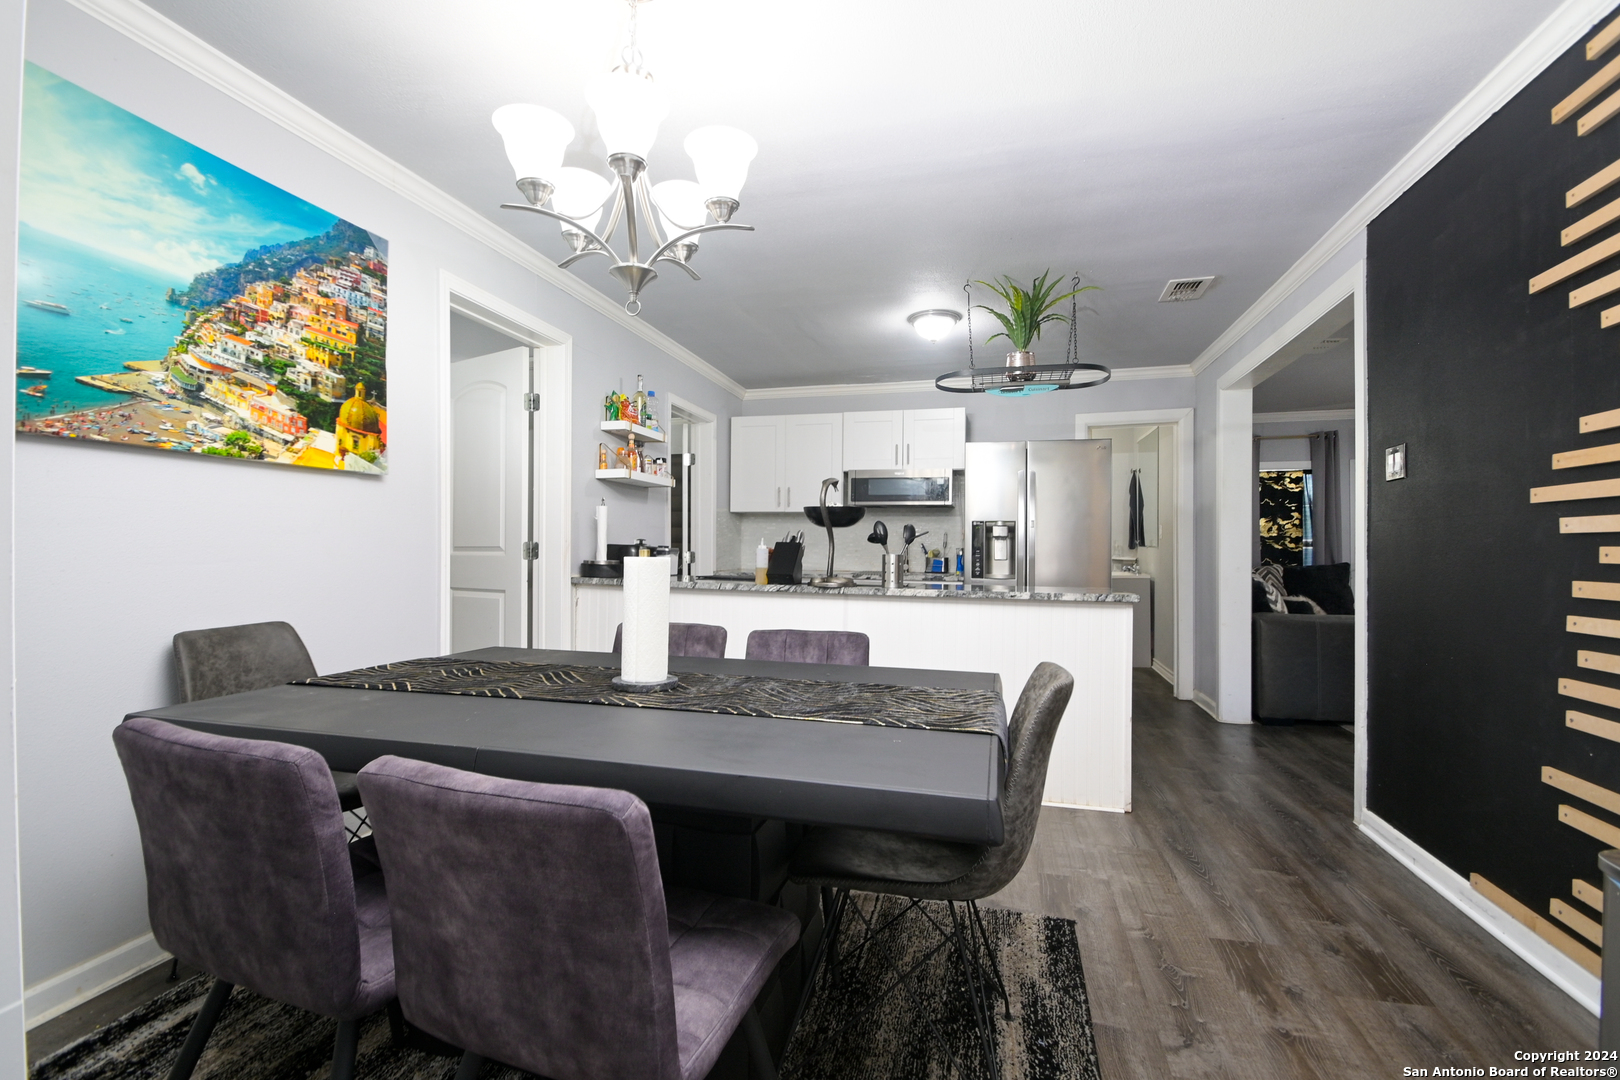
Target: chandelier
[667, 217]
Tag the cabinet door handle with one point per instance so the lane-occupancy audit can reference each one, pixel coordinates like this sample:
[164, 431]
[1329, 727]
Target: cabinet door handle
[779, 498]
[908, 453]
[897, 453]
[789, 501]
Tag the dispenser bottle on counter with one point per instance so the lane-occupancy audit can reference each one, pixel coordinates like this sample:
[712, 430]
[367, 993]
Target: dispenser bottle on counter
[762, 562]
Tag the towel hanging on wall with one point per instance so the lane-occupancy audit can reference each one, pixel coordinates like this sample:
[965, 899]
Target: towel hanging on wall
[1138, 537]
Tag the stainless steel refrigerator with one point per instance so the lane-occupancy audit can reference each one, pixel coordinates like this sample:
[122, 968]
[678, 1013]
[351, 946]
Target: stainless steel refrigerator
[1038, 514]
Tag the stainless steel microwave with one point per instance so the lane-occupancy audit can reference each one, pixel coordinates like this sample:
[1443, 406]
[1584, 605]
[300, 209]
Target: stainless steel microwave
[898, 487]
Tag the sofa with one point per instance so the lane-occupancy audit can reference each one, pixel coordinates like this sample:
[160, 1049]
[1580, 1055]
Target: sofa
[1304, 663]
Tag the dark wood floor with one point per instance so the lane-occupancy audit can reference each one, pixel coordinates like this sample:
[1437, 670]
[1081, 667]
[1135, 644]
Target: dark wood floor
[1237, 924]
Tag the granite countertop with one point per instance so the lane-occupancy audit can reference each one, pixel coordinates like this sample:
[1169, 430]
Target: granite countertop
[926, 590]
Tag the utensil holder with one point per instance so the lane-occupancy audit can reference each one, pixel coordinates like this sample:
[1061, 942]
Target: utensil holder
[787, 564]
[894, 571]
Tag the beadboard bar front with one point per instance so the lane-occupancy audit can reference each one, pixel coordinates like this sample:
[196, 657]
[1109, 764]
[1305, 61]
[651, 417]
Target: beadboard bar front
[1091, 758]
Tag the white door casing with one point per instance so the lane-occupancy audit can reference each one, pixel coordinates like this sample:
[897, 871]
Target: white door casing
[489, 430]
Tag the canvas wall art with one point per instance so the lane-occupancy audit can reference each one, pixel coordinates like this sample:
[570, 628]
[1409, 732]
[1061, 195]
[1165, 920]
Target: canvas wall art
[166, 299]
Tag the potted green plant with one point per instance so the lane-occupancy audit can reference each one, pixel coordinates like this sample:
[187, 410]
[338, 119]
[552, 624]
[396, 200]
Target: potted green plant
[1027, 311]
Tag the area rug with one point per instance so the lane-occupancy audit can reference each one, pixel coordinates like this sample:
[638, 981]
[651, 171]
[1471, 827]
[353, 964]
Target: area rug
[845, 1034]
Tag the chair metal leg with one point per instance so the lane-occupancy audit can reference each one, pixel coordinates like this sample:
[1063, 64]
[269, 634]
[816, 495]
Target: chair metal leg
[758, 1049]
[396, 1024]
[345, 1049]
[174, 969]
[978, 996]
[470, 1064]
[201, 1028]
[828, 932]
[995, 965]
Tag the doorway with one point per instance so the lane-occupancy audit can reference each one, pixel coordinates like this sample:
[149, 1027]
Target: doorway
[506, 496]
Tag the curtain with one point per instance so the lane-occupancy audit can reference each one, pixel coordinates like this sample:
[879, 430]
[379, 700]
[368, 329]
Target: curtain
[1325, 498]
[1254, 507]
[1137, 529]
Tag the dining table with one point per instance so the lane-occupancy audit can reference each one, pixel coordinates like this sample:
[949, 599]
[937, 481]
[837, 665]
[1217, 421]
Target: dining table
[945, 784]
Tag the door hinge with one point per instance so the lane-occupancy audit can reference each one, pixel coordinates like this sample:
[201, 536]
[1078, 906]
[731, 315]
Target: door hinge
[531, 550]
[531, 402]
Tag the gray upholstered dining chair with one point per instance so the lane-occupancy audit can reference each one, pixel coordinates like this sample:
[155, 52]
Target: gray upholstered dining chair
[531, 928]
[866, 860]
[687, 639]
[234, 659]
[810, 646]
[249, 877]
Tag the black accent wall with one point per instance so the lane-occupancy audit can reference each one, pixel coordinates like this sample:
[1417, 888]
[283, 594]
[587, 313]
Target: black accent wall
[1469, 584]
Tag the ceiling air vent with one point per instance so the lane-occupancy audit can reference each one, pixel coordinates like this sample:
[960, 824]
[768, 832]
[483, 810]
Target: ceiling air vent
[1186, 289]
[1326, 343]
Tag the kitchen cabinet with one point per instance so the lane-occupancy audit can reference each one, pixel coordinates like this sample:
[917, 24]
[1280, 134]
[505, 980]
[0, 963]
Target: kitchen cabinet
[872, 440]
[906, 439]
[778, 462]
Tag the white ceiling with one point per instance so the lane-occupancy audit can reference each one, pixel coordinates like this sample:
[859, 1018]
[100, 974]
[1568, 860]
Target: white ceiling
[1324, 377]
[906, 147]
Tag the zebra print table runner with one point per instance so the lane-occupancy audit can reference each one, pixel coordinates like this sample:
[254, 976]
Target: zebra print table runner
[877, 704]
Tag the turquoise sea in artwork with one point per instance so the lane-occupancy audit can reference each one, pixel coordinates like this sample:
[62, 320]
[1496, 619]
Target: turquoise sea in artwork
[116, 312]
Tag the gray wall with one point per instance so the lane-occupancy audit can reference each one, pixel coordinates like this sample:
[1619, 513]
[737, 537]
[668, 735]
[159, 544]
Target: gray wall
[123, 549]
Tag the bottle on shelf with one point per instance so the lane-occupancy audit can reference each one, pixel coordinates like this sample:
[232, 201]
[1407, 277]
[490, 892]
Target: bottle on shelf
[602, 456]
[649, 415]
[640, 403]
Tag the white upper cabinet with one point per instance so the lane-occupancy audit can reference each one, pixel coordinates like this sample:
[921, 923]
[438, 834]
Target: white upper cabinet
[872, 440]
[935, 439]
[813, 450]
[756, 464]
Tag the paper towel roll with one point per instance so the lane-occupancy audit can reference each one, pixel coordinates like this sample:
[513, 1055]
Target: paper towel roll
[645, 658]
[601, 533]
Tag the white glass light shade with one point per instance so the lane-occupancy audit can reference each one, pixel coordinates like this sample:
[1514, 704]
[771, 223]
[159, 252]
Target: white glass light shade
[680, 206]
[934, 325]
[535, 138]
[721, 155]
[580, 193]
[628, 110]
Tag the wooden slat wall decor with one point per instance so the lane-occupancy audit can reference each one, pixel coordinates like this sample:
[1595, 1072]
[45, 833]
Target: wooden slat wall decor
[1596, 524]
[1601, 421]
[1541, 927]
[1591, 223]
[1588, 894]
[1587, 489]
[1585, 691]
[1592, 455]
[1581, 789]
[1584, 925]
[1591, 826]
[1609, 554]
[1609, 317]
[1603, 40]
[1573, 265]
[1584, 624]
[1592, 185]
[1591, 88]
[1600, 115]
[1598, 661]
[1592, 725]
[1595, 590]
[1603, 286]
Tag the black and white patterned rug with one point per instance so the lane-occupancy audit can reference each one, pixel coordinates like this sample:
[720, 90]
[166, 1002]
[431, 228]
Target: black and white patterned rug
[846, 1034]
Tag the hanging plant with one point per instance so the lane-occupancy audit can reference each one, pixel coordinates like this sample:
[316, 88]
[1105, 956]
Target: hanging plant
[1027, 309]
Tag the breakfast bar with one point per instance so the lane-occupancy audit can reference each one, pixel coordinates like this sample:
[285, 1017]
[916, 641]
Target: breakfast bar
[942, 625]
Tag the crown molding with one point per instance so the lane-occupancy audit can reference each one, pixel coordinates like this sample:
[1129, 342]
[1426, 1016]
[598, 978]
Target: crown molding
[1545, 44]
[196, 57]
[1304, 416]
[1173, 371]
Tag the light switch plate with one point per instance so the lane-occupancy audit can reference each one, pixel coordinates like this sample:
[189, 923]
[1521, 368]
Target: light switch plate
[1395, 462]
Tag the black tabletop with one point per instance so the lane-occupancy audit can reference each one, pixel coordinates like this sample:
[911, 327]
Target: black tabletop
[945, 784]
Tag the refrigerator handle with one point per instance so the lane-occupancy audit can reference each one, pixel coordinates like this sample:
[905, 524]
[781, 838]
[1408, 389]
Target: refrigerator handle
[1029, 542]
[1021, 542]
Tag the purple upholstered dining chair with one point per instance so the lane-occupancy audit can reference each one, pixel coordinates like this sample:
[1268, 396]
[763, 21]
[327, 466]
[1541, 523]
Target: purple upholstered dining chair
[810, 646]
[250, 878]
[687, 639]
[531, 928]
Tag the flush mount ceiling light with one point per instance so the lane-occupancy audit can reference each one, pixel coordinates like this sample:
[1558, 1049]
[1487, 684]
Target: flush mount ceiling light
[670, 216]
[935, 323]
[1024, 380]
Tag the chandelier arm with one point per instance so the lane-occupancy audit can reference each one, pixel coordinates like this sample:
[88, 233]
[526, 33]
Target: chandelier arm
[671, 259]
[649, 209]
[628, 188]
[566, 220]
[578, 255]
[659, 254]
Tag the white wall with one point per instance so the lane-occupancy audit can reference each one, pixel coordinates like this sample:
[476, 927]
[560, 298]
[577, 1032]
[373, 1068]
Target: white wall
[121, 549]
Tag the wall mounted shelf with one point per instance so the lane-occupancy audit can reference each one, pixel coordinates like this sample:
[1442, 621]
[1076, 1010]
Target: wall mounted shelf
[634, 479]
[624, 429]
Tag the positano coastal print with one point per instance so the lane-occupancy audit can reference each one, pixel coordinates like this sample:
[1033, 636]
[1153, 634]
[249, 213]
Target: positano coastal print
[168, 300]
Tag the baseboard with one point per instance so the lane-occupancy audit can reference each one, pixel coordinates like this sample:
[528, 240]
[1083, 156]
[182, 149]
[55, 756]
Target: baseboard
[1207, 703]
[1164, 672]
[1086, 806]
[1564, 973]
[75, 986]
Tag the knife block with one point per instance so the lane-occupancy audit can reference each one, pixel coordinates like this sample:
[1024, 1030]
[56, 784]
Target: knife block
[787, 564]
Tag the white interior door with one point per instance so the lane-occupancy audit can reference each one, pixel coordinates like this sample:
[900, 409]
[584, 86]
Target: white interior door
[489, 447]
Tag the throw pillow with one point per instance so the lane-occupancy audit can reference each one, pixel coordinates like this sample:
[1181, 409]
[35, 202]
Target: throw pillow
[1328, 585]
[1303, 605]
[1270, 577]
